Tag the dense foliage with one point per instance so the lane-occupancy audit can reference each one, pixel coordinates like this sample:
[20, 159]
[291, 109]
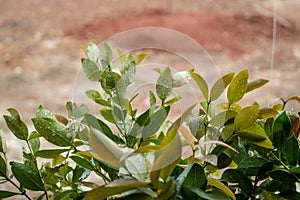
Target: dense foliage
[225, 151]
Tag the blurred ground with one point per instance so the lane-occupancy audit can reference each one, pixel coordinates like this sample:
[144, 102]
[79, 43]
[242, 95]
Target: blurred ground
[40, 43]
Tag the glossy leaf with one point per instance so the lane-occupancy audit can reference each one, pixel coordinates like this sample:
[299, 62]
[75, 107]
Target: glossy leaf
[266, 113]
[237, 87]
[254, 133]
[234, 176]
[281, 130]
[254, 84]
[50, 153]
[91, 69]
[181, 78]
[221, 118]
[251, 165]
[221, 186]
[291, 150]
[52, 131]
[220, 85]
[246, 117]
[164, 84]
[27, 177]
[116, 187]
[201, 83]
[16, 125]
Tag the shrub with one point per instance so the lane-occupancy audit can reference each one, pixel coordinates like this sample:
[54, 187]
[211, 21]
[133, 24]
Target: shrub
[230, 151]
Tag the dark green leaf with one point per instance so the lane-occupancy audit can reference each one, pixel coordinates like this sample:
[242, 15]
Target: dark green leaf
[164, 84]
[91, 69]
[235, 176]
[290, 194]
[52, 131]
[237, 87]
[281, 130]
[291, 150]
[35, 144]
[27, 177]
[83, 162]
[65, 195]
[263, 170]
[201, 83]
[195, 177]
[80, 174]
[180, 180]
[220, 85]
[254, 84]
[16, 125]
[212, 195]
[137, 197]
[223, 161]
[6, 194]
[3, 168]
[251, 165]
[282, 175]
[50, 153]
[98, 124]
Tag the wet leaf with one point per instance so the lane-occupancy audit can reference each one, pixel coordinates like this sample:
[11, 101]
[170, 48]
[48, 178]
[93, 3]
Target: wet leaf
[164, 84]
[254, 84]
[237, 87]
[27, 177]
[246, 117]
[201, 83]
[16, 125]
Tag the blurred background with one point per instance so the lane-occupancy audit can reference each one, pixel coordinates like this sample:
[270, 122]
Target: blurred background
[40, 42]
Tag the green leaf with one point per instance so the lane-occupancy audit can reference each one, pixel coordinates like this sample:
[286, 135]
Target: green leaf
[27, 177]
[96, 97]
[152, 101]
[197, 126]
[92, 52]
[16, 125]
[167, 190]
[128, 70]
[290, 194]
[122, 56]
[3, 147]
[195, 177]
[291, 150]
[65, 195]
[44, 113]
[214, 194]
[91, 69]
[137, 166]
[221, 118]
[35, 144]
[254, 84]
[181, 78]
[237, 87]
[172, 101]
[254, 133]
[6, 194]
[235, 176]
[266, 113]
[106, 56]
[108, 115]
[227, 132]
[246, 117]
[50, 153]
[101, 126]
[220, 85]
[164, 84]
[76, 112]
[52, 131]
[137, 197]
[83, 163]
[281, 130]
[251, 165]
[140, 57]
[201, 83]
[282, 175]
[116, 187]
[180, 180]
[222, 187]
[109, 80]
[3, 168]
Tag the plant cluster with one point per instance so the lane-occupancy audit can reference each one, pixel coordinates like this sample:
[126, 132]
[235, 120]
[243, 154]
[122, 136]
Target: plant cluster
[225, 151]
